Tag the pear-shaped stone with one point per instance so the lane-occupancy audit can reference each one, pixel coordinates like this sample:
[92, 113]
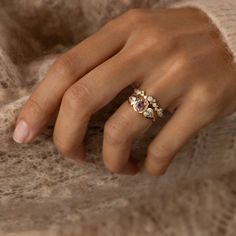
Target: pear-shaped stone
[149, 113]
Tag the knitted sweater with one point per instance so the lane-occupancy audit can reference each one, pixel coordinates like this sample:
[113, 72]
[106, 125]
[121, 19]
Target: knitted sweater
[44, 193]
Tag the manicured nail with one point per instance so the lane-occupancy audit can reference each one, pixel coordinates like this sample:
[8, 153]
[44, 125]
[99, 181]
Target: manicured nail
[21, 132]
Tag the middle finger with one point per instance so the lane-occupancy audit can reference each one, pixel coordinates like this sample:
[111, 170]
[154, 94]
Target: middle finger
[88, 95]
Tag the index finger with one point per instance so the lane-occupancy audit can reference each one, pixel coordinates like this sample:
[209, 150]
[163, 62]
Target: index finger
[71, 66]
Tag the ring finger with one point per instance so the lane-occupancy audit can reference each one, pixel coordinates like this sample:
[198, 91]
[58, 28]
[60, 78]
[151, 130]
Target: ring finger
[125, 125]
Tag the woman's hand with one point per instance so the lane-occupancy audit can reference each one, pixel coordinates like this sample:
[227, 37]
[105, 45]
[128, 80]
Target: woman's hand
[176, 55]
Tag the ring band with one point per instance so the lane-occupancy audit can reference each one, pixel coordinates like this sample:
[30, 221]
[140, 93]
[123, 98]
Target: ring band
[145, 105]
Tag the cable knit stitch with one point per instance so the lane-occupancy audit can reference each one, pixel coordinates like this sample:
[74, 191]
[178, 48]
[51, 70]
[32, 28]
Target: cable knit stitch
[43, 193]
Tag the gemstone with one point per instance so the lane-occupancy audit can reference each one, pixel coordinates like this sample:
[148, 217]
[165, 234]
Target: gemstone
[149, 113]
[132, 100]
[140, 105]
[160, 112]
[150, 98]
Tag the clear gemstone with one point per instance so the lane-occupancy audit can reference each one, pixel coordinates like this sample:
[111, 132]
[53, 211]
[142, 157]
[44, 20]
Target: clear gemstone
[132, 100]
[149, 113]
[160, 112]
[149, 98]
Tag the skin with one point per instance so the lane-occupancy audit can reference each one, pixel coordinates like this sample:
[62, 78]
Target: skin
[176, 55]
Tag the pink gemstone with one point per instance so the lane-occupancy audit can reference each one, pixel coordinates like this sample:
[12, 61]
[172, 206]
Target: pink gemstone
[141, 105]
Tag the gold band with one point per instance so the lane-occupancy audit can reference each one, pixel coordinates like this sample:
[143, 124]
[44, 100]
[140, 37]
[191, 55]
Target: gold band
[145, 105]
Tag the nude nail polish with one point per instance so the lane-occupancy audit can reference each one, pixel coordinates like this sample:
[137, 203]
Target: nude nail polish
[21, 132]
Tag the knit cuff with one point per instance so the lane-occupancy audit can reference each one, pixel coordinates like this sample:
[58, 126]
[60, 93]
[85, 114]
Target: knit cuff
[222, 14]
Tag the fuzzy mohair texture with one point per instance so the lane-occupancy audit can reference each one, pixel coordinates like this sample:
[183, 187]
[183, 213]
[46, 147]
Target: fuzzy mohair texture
[44, 193]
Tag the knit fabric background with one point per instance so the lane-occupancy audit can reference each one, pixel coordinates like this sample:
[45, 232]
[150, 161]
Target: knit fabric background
[44, 193]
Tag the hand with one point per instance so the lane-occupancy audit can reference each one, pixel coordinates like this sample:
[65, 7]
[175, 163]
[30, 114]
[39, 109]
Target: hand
[176, 55]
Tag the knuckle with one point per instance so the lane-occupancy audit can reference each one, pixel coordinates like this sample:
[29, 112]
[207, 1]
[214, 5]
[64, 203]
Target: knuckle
[114, 26]
[114, 131]
[135, 15]
[64, 65]
[190, 61]
[204, 97]
[153, 40]
[186, 64]
[159, 155]
[35, 106]
[145, 44]
[76, 97]
[62, 146]
[150, 40]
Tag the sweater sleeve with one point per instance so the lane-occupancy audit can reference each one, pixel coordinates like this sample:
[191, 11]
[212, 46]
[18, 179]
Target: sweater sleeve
[222, 14]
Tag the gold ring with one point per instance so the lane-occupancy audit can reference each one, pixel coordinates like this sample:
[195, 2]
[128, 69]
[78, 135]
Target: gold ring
[145, 105]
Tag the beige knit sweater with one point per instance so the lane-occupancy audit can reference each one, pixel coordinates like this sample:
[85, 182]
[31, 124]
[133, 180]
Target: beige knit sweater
[42, 193]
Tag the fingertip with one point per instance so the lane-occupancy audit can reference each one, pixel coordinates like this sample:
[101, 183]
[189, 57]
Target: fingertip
[154, 169]
[21, 132]
[131, 168]
[155, 173]
[79, 156]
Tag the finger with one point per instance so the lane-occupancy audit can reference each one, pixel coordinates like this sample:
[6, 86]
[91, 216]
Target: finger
[125, 125]
[88, 95]
[71, 66]
[185, 123]
[119, 133]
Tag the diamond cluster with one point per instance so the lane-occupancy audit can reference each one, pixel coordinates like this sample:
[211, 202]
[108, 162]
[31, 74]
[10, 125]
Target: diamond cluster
[145, 104]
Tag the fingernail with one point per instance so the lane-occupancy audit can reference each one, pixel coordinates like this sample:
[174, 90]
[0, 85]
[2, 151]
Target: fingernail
[21, 132]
